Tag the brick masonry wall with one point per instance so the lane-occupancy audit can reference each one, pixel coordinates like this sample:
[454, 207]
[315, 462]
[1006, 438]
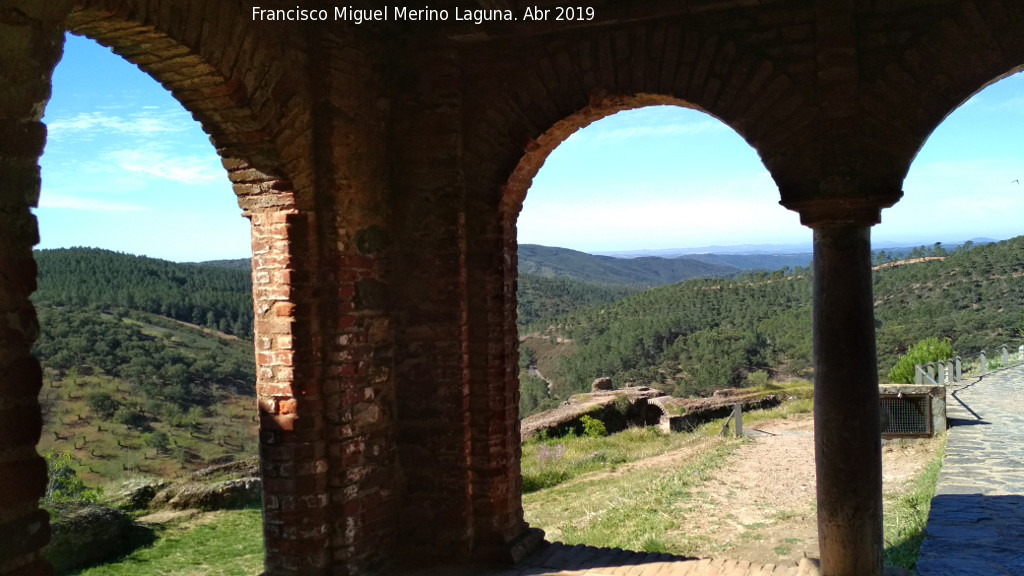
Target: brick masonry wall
[351, 117]
[430, 291]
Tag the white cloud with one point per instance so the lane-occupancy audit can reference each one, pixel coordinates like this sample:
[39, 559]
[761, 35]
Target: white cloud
[87, 125]
[62, 202]
[184, 169]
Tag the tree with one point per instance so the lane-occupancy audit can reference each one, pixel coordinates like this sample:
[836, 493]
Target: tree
[102, 404]
[158, 440]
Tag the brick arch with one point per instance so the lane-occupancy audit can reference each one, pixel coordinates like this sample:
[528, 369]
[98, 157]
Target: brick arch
[547, 90]
[973, 46]
[192, 53]
[240, 100]
[601, 106]
[644, 64]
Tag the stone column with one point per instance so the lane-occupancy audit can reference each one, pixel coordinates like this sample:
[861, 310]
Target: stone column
[846, 415]
[31, 42]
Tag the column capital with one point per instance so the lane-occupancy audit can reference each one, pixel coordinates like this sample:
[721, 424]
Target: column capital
[833, 211]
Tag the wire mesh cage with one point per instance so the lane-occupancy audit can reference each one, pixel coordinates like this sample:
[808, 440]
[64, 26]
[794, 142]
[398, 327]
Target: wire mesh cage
[906, 415]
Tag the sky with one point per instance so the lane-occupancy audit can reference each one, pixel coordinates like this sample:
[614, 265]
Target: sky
[126, 168]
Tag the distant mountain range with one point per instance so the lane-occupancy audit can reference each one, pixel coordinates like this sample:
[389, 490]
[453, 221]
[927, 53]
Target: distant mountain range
[648, 270]
[797, 251]
[744, 249]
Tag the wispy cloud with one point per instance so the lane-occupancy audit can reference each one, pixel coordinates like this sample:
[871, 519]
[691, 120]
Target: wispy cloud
[158, 164]
[62, 202]
[85, 125]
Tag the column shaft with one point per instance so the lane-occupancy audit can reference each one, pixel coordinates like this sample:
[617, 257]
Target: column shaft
[846, 418]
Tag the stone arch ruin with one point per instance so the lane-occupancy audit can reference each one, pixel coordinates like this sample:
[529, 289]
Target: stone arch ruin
[379, 164]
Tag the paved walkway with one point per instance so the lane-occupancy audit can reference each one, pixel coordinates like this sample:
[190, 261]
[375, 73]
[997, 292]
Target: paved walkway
[976, 525]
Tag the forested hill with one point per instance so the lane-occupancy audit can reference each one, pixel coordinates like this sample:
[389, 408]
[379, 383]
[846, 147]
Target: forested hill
[215, 297]
[646, 271]
[705, 334]
[543, 297]
[235, 264]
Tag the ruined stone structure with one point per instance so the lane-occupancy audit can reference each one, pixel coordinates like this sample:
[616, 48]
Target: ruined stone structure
[383, 166]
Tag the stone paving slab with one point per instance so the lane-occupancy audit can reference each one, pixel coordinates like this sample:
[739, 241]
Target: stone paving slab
[976, 523]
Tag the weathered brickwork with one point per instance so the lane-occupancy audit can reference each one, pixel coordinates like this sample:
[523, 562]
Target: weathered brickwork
[30, 45]
[383, 168]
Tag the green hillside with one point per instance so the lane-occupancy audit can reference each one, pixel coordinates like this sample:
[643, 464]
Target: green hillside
[546, 297]
[693, 337]
[643, 272]
[148, 364]
[129, 393]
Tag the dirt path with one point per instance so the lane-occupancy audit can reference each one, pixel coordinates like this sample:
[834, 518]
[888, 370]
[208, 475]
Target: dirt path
[760, 505]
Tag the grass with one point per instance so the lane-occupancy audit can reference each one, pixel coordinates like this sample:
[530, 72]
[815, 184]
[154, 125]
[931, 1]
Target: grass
[906, 515]
[574, 491]
[549, 462]
[785, 410]
[587, 502]
[231, 544]
[635, 511]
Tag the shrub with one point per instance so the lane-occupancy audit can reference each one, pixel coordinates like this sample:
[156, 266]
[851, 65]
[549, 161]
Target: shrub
[65, 485]
[925, 351]
[757, 379]
[593, 427]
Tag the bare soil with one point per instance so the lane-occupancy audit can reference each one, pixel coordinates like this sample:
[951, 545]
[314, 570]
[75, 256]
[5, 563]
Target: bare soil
[760, 506]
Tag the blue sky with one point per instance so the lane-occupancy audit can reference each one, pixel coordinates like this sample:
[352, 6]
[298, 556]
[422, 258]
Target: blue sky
[127, 169]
